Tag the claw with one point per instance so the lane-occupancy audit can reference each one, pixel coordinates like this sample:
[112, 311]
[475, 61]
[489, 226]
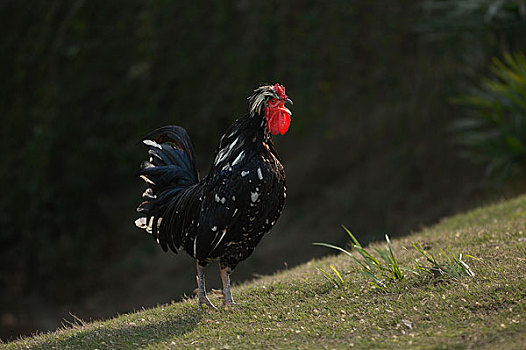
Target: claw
[222, 296]
[218, 291]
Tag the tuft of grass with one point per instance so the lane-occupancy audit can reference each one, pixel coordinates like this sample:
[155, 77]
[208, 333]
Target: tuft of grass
[387, 267]
[369, 263]
[453, 267]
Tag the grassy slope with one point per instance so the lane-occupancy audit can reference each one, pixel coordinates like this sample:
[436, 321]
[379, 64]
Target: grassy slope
[298, 308]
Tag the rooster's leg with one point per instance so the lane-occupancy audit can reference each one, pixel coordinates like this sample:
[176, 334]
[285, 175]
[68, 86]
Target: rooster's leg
[201, 292]
[225, 278]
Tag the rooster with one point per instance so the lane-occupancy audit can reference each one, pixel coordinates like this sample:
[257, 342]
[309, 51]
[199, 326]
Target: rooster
[223, 216]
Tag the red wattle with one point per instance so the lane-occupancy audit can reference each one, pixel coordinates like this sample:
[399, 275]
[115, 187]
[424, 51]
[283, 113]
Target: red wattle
[278, 117]
[286, 123]
[278, 121]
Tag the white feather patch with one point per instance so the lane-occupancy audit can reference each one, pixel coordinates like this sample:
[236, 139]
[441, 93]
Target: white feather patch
[141, 222]
[223, 233]
[147, 180]
[225, 152]
[239, 158]
[149, 194]
[257, 104]
[152, 143]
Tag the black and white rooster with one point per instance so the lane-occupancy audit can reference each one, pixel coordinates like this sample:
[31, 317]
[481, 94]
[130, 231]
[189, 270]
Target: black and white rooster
[223, 216]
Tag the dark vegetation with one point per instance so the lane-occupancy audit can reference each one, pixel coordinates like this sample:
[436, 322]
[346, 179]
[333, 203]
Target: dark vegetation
[494, 129]
[371, 143]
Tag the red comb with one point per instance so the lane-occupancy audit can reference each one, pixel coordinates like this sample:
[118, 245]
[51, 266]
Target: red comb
[280, 90]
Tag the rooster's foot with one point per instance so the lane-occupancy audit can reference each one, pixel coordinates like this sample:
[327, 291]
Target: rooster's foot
[222, 296]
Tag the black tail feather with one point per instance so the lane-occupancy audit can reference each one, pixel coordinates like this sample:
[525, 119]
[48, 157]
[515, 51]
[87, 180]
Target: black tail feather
[176, 135]
[179, 215]
[171, 175]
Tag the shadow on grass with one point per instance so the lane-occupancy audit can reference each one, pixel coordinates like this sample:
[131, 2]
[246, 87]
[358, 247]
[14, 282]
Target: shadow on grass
[133, 332]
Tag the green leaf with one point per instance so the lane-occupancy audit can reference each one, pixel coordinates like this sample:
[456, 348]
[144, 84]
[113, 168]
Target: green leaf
[494, 127]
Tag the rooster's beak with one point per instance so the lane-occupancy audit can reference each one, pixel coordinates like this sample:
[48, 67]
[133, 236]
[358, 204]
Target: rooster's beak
[288, 100]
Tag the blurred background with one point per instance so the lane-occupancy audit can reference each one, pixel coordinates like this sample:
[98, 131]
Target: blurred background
[405, 112]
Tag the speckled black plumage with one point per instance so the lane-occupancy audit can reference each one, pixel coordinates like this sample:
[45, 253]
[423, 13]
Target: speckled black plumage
[223, 216]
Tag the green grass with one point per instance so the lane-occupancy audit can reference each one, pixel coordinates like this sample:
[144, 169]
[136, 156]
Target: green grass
[302, 308]
[387, 268]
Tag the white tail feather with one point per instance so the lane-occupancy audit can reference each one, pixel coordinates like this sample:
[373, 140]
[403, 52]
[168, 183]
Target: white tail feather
[151, 143]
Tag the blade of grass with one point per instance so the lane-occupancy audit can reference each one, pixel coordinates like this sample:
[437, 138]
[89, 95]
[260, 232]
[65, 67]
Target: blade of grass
[420, 249]
[352, 237]
[397, 273]
[336, 273]
[344, 251]
[334, 247]
[377, 282]
[329, 278]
